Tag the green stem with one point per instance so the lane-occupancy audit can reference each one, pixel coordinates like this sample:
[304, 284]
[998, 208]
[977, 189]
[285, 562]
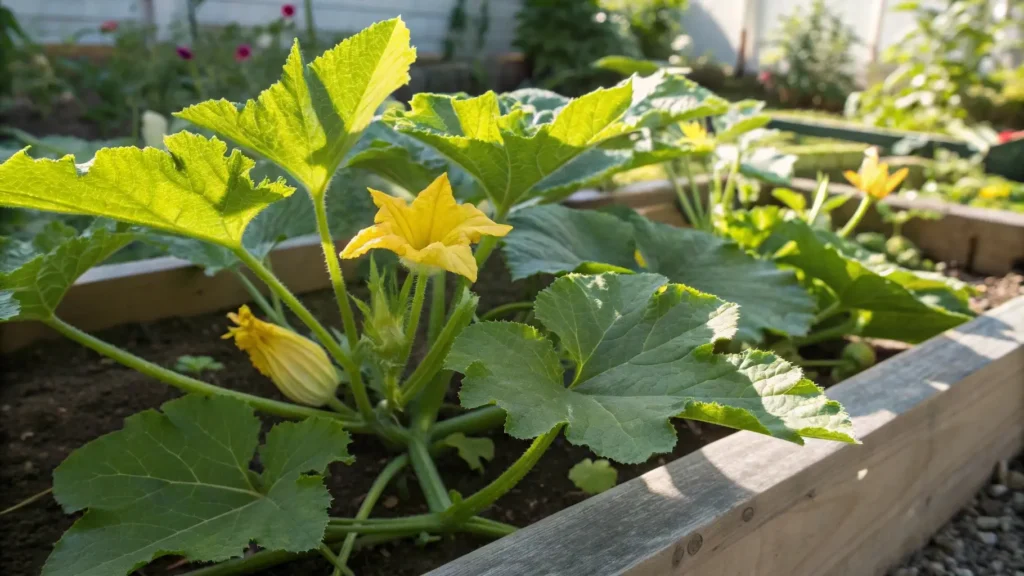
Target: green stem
[846, 328]
[413, 325]
[862, 209]
[730, 185]
[339, 355]
[341, 408]
[499, 311]
[694, 191]
[426, 472]
[376, 489]
[819, 200]
[437, 307]
[821, 363]
[830, 311]
[276, 300]
[193, 69]
[508, 479]
[473, 421]
[257, 297]
[191, 385]
[26, 501]
[428, 368]
[328, 554]
[691, 216]
[334, 268]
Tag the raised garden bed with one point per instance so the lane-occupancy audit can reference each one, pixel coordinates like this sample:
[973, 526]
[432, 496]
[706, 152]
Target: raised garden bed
[714, 507]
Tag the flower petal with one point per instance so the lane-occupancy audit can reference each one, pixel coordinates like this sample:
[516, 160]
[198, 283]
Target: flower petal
[399, 216]
[457, 259]
[375, 237]
[896, 179]
[854, 178]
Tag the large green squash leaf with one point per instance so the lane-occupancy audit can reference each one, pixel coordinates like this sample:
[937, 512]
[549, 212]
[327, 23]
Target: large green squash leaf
[555, 239]
[513, 143]
[192, 190]
[769, 298]
[643, 352]
[179, 483]
[896, 304]
[34, 276]
[314, 115]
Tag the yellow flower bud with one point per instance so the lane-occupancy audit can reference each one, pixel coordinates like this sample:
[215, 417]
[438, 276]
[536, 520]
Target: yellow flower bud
[298, 366]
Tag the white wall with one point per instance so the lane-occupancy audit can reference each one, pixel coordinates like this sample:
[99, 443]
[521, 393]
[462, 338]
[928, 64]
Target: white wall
[716, 25]
[54, 20]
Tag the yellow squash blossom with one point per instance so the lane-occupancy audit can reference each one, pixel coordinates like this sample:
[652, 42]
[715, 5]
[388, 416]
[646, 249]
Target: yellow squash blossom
[433, 232]
[995, 191]
[873, 177]
[697, 136]
[298, 366]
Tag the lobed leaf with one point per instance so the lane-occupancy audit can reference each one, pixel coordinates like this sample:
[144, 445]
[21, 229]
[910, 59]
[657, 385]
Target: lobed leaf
[34, 276]
[594, 477]
[643, 352]
[192, 189]
[315, 114]
[554, 239]
[513, 143]
[179, 483]
[898, 304]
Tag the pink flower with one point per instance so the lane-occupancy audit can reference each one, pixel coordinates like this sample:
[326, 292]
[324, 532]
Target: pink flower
[765, 77]
[288, 10]
[184, 52]
[108, 27]
[242, 53]
[1008, 135]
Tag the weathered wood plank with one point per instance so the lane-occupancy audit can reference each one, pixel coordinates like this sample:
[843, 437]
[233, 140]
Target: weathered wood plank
[148, 290]
[932, 420]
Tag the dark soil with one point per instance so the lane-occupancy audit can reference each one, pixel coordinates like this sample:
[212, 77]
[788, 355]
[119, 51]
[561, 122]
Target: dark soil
[56, 396]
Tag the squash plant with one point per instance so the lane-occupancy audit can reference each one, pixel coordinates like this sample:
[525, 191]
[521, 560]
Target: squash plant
[617, 351]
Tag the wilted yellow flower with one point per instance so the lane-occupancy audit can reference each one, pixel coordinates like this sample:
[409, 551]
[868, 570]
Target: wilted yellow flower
[697, 136]
[298, 366]
[995, 191]
[434, 231]
[873, 177]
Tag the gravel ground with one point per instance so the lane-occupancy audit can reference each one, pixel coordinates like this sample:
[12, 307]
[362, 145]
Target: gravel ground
[986, 538]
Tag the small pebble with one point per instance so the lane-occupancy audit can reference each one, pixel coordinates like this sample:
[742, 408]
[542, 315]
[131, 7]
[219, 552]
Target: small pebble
[988, 538]
[1015, 480]
[997, 566]
[998, 490]
[1017, 503]
[991, 507]
[936, 568]
[986, 522]
[963, 572]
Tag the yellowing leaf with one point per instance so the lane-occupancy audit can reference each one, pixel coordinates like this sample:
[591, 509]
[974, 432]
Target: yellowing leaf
[192, 189]
[312, 117]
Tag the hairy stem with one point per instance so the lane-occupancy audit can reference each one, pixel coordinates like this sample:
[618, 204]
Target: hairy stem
[698, 204]
[846, 328]
[191, 385]
[431, 364]
[499, 311]
[339, 355]
[862, 209]
[376, 489]
[478, 420]
[437, 307]
[414, 315]
[258, 298]
[429, 478]
[508, 479]
[334, 269]
[691, 215]
[730, 185]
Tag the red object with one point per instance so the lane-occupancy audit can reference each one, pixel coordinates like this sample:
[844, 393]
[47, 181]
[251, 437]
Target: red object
[109, 26]
[1007, 135]
[765, 77]
[288, 10]
[184, 53]
[243, 52]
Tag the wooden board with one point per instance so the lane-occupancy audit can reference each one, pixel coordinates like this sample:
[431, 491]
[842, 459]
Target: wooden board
[982, 240]
[933, 422]
[148, 290]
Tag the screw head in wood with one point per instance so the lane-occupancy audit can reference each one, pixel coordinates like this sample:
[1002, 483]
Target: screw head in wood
[695, 543]
[748, 513]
